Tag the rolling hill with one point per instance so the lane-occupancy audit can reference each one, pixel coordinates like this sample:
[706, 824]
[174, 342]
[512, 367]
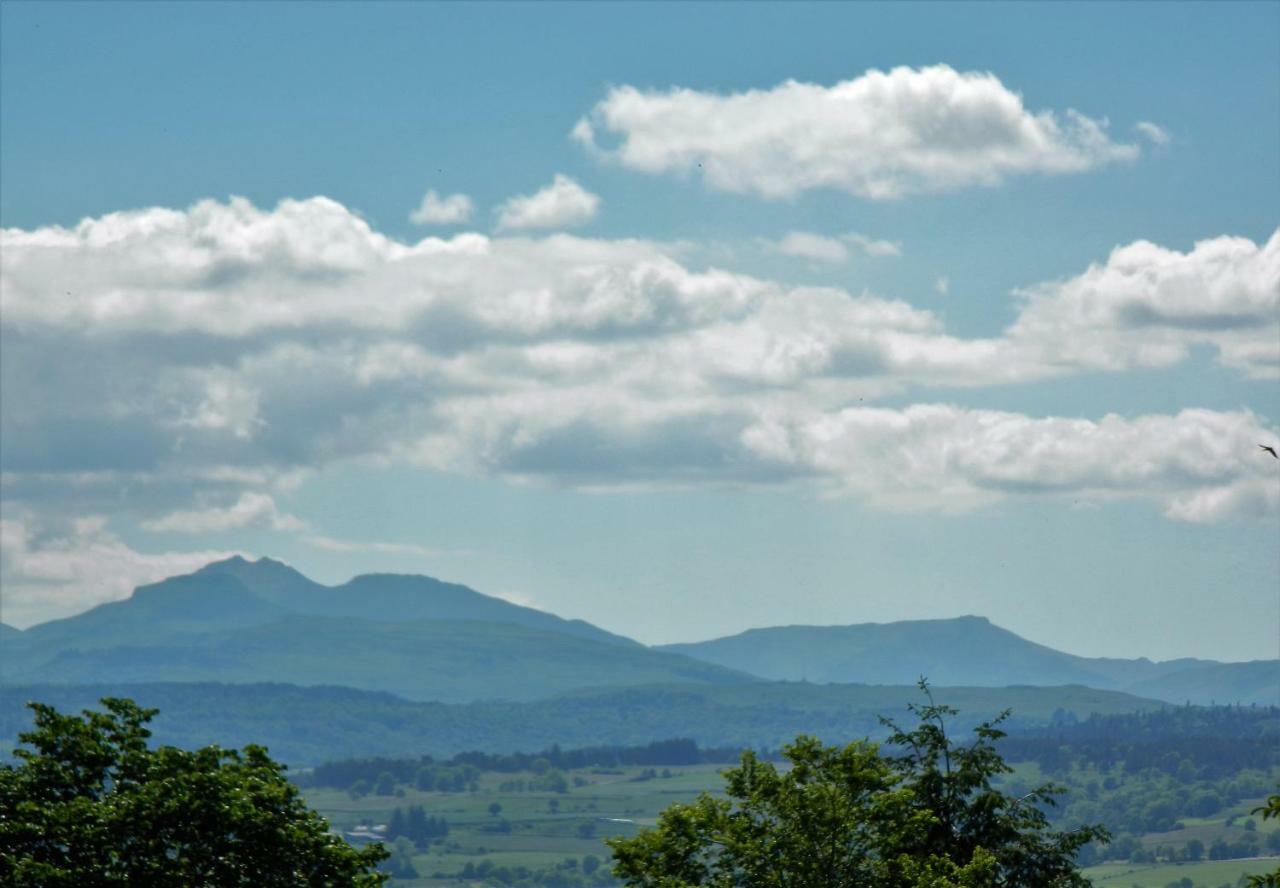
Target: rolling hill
[972, 651]
[307, 725]
[452, 661]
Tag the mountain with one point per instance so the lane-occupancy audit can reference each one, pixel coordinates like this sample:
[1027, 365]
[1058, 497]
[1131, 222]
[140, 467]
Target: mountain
[972, 651]
[425, 639]
[1257, 681]
[243, 621]
[308, 725]
[192, 604]
[392, 598]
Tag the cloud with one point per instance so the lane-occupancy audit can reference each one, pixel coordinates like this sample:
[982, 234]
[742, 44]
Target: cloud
[874, 246]
[832, 250]
[331, 544]
[562, 204]
[1147, 305]
[436, 210]
[162, 358]
[50, 575]
[251, 509]
[1154, 133]
[1197, 464]
[942, 286]
[813, 246]
[880, 136]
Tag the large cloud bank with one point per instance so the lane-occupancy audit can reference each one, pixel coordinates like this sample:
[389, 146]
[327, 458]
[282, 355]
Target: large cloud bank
[231, 347]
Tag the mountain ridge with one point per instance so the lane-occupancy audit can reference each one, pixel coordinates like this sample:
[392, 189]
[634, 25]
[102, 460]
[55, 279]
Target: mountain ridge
[970, 650]
[252, 621]
[425, 638]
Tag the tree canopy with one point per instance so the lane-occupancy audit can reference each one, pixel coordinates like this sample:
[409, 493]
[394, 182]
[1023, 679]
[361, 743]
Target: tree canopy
[90, 804]
[921, 813]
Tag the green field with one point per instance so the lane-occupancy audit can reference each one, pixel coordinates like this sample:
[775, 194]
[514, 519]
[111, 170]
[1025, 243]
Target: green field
[542, 831]
[545, 827]
[1210, 873]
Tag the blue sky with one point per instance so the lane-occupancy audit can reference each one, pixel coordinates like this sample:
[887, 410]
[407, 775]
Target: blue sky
[739, 314]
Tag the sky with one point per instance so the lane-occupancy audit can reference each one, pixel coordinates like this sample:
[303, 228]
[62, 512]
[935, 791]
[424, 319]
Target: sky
[678, 318]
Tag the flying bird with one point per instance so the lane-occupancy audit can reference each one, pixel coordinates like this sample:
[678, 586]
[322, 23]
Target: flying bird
[1270, 450]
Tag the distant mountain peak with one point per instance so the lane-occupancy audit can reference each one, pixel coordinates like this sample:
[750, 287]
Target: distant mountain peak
[239, 562]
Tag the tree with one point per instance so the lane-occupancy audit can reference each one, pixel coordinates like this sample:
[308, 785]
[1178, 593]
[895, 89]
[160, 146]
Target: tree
[89, 804]
[1269, 810]
[926, 817]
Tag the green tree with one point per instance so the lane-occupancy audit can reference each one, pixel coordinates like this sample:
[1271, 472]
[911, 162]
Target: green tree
[927, 817]
[89, 804]
[1269, 810]
[386, 784]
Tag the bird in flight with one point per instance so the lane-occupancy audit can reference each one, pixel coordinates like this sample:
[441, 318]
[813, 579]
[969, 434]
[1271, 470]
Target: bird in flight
[1270, 450]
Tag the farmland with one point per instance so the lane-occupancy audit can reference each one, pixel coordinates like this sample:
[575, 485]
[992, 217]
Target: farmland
[499, 833]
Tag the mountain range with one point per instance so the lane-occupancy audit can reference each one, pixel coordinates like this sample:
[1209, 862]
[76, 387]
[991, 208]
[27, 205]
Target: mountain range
[973, 651]
[262, 621]
[423, 639]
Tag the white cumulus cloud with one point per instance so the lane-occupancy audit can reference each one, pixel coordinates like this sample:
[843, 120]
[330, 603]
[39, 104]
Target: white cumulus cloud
[832, 250]
[437, 210]
[1200, 465]
[879, 136]
[227, 348]
[562, 204]
[815, 247]
[1147, 304]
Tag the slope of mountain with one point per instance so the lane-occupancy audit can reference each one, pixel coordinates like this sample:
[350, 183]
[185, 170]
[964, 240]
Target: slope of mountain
[194, 603]
[391, 598]
[244, 621]
[446, 660]
[1257, 681]
[305, 726]
[970, 651]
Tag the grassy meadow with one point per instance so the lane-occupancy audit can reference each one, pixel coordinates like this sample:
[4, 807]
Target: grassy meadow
[556, 834]
[546, 828]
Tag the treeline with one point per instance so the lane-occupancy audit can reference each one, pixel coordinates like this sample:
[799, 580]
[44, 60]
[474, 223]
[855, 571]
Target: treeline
[1188, 742]
[459, 773]
[416, 826]
[589, 872]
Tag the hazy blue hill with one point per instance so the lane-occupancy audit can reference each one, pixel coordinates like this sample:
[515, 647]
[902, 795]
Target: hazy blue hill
[393, 598]
[448, 660]
[1257, 681]
[962, 651]
[308, 725]
[177, 606]
[7, 631]
[178, 623]
[966, 651]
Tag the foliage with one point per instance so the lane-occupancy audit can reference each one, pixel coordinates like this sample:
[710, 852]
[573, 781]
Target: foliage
[90, 804]
[1269, 810]
[926, 816]
[1187, 742]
